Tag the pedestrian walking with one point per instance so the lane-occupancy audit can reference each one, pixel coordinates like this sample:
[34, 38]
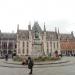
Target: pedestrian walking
[6, 57]
[30, 65]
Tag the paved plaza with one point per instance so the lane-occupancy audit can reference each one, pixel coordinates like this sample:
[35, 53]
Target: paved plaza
[50, 69]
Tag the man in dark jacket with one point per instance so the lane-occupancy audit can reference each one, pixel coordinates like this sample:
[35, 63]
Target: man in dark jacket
[30, 64]
[6, 57]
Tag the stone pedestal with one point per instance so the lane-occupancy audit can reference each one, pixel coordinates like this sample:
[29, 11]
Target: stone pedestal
[37, 48]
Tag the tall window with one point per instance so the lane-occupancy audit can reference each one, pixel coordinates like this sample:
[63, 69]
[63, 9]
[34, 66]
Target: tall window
[27, 48]
[57, 44]
[54, 44]
[23, 51]
[4, 45]
[10, 46]
[15, 46]
[23, 47]
[23, 44]
[27, 44]
[47, 48]
[19, 47]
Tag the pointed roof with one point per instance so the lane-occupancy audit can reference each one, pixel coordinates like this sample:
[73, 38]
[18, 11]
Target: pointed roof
[8, 36]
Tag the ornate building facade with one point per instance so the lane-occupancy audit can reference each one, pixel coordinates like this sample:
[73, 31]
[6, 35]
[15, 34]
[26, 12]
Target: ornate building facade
[37, 42]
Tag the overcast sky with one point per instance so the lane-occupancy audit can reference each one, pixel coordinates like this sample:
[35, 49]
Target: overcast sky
[55, 13]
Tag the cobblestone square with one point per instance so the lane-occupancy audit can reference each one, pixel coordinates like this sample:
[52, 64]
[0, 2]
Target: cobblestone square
[52, 69]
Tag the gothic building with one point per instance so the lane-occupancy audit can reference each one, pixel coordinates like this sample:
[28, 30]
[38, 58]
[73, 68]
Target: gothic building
[7, 43]
[37, 42]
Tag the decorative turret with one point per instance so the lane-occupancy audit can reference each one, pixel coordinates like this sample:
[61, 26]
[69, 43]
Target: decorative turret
[55, 29]
[58, 30]
[44, 27]
[44, 41]
[29, 26]
[17, 27]
[58, 34]
[44, 31]
[72, 34]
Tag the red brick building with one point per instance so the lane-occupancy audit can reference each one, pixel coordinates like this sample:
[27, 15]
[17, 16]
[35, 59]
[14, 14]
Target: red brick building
[67, 44]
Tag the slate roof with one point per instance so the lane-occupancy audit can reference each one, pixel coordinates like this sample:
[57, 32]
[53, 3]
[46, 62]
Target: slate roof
[23, 34]
[11, 36]
[50, 35]
[66, 36]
